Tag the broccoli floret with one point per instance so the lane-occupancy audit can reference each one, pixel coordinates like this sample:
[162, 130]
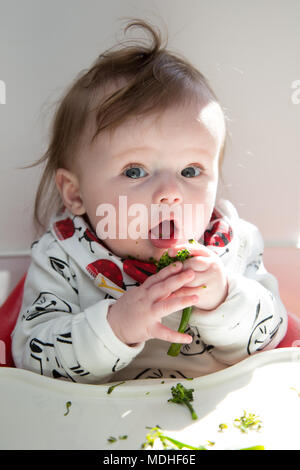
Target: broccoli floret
[183, 396]
[166, 259]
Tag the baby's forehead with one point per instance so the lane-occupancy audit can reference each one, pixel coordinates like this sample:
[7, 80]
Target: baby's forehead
[197, 116]
[170, 133]
[208, 114]
[211, 116]
[192, 121]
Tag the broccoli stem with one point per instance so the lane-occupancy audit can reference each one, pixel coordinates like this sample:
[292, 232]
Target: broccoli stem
[180, 445]
[193, 413]
[254, 448]
[164, 261]
[174, 349]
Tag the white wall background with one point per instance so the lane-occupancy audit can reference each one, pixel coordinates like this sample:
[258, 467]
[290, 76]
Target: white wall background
[248, 50]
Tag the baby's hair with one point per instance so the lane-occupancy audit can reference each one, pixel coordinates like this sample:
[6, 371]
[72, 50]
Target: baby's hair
[147, 78]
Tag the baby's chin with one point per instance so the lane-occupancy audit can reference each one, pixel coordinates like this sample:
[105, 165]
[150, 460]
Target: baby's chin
[141, 249]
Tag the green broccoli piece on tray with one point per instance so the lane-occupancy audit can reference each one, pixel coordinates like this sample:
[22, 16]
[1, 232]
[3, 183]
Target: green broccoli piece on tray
[183, 396]
[248, 421]
[168, 443]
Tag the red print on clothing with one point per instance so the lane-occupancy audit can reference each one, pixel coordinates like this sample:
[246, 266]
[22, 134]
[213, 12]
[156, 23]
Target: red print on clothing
[138, 270]
[64, 228]
[219, 235]
[109, 269]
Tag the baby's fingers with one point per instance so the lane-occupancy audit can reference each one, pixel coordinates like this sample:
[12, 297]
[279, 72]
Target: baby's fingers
[164, 288]
[161, 331]
[163, 274]
[173, 304]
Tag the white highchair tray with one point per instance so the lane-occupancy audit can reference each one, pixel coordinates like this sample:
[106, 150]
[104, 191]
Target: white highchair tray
[33, 411]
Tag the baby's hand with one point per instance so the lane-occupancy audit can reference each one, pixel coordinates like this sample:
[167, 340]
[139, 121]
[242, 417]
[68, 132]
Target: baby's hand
[209, 273]
[136, 316]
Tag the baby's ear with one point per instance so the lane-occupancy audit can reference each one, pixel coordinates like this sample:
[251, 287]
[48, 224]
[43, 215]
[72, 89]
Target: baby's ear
[68, 186]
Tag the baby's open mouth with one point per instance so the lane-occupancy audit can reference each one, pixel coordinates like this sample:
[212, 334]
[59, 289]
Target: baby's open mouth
[164, 235]
[164, 230]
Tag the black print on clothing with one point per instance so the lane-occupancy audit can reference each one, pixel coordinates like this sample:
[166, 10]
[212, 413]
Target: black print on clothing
[89, 237]
[197, 346]
[34, 243]
[262, 335]
[160, 374]
[45, 353]
[46, 302]
[108, 296]
[62, 268]
[256, 313]
[224, 252]
[118, 365]
[256, 263]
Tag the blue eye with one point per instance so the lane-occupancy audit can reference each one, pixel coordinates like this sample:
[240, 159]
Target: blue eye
[190, 172]
[134, 172]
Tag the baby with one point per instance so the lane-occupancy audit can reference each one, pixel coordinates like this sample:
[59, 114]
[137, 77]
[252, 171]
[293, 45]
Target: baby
[141, 129]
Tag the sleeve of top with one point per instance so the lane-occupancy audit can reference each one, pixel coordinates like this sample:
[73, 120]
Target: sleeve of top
[252, 318]
[53, 336]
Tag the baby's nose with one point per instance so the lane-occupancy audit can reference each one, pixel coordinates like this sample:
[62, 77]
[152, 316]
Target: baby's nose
[170, 199]
[167, 191]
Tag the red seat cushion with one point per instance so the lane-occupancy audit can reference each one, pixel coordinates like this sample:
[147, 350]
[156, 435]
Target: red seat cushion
[292, 337]
[9, 312]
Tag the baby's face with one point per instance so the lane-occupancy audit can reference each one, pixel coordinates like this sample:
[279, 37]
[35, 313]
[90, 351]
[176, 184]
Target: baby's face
[169, 162]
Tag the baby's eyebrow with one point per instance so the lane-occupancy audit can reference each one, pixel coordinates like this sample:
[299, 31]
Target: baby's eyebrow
[132, 150]
[197, 150]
